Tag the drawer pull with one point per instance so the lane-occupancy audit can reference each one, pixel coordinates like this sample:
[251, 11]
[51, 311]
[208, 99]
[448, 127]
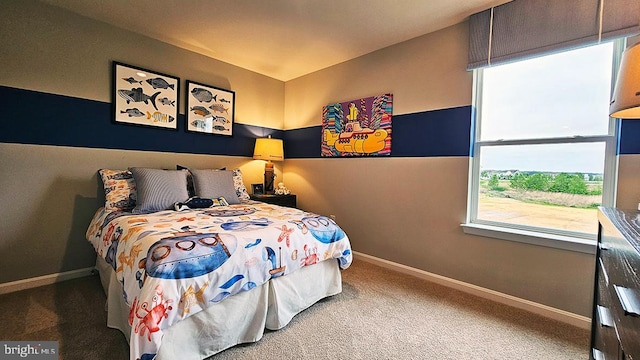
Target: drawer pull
[597, 354]
[604, 272]
[629, 300]
[605, 316]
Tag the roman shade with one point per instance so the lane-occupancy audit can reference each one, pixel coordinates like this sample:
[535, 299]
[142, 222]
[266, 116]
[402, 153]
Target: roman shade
[526, 28]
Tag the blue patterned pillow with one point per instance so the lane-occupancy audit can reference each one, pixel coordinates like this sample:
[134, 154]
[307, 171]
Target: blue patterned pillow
[159, 189]
[119, 189]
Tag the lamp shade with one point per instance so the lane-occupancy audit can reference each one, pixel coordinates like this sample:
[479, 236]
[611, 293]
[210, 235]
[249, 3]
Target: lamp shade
[625, 103]
[268, 149]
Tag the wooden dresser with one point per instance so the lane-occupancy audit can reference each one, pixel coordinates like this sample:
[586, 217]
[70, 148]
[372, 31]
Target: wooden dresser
[615, 328]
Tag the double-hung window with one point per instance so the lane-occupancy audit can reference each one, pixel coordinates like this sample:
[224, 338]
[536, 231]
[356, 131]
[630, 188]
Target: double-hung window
[544, 146]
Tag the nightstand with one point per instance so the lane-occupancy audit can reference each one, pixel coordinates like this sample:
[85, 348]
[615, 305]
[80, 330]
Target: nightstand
[282, 200]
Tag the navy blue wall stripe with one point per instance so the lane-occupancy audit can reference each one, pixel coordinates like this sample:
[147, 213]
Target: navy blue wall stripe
[303, 143]
[629, 135]
[444, 132]
[32, 117]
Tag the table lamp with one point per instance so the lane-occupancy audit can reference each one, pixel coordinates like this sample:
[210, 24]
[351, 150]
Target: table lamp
[268, 149]
[625, 103]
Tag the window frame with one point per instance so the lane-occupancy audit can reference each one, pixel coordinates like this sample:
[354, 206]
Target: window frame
[556, 238]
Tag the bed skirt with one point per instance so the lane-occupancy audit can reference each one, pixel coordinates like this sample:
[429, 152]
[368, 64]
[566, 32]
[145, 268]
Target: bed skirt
[238, 319]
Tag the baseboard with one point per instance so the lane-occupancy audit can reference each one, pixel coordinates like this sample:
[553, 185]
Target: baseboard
[44, 280]
[536, 308]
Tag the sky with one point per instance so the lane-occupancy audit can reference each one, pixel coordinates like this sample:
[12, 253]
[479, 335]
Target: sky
[518, 103]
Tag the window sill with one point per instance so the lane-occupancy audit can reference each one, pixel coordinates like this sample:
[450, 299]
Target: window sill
[533, 238]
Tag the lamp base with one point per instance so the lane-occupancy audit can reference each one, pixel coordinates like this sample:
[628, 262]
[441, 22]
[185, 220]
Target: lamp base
[269, 177]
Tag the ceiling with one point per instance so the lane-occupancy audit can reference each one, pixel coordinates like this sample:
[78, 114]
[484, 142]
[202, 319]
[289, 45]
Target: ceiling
[283, 39]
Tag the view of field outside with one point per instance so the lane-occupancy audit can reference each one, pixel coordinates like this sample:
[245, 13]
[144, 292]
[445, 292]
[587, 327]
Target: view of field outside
[542, 139]
[554, 200]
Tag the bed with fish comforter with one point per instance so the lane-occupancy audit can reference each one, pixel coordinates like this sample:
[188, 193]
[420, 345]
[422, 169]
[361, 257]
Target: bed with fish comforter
[173, 264]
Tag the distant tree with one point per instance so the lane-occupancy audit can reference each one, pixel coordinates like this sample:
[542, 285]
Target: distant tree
[538, 181]
[569, 183]
[519, 181]
[577, 185]
[494, 182]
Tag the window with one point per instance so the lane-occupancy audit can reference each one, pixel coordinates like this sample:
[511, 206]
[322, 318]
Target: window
[544, 145]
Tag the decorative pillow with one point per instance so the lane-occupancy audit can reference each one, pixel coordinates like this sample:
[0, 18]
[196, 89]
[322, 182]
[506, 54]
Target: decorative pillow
[159, 189]
[238, 183]
[213, 184]
[190, 189]
[200, 203]
[119, 189]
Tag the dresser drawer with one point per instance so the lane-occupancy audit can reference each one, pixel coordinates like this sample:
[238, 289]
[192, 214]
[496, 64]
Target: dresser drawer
[606, 336]
[620, 261]
[604, 325]
[625, 307]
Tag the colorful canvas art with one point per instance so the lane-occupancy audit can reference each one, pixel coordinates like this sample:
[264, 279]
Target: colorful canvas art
[358, 128]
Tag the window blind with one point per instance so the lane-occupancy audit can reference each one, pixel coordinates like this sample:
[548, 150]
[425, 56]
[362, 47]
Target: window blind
[526, 28]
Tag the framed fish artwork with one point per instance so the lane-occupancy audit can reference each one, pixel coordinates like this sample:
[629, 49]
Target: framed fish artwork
[144, 97]
[210, 110]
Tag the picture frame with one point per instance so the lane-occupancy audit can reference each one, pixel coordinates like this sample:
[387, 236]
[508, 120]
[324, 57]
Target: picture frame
[359, 127]
[257, 189]
[210, 110]
[144, 97]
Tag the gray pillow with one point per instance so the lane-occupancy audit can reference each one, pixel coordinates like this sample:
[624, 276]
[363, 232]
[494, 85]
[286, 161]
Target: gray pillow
[212, 184]
[159, 189]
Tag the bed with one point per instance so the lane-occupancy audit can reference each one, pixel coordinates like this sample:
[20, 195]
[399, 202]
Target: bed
[190, 283]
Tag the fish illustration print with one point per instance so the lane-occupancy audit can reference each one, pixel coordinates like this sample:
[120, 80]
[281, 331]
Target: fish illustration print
[203, 95]
[192, 297]
[225, 100]
[166, 101]
[159, 83]
[219, 108]
[220, 119]
[198, 124]
[200, 110]
[131, 80]
[220, 128]
[132, 112]
[160, 117]
[136, 95]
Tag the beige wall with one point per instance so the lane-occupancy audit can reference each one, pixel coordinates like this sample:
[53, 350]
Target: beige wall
[409, 210]
[425, 73]
[628, 196]
[49, 193]
[48, 49]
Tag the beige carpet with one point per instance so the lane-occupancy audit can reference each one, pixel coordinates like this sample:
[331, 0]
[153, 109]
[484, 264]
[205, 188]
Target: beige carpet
[379, 315]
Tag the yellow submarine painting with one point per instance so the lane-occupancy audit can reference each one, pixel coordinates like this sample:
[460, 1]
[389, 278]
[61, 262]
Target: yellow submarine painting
[365, 130]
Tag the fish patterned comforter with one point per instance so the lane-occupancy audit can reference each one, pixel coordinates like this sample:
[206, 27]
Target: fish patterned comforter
[173, 264]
